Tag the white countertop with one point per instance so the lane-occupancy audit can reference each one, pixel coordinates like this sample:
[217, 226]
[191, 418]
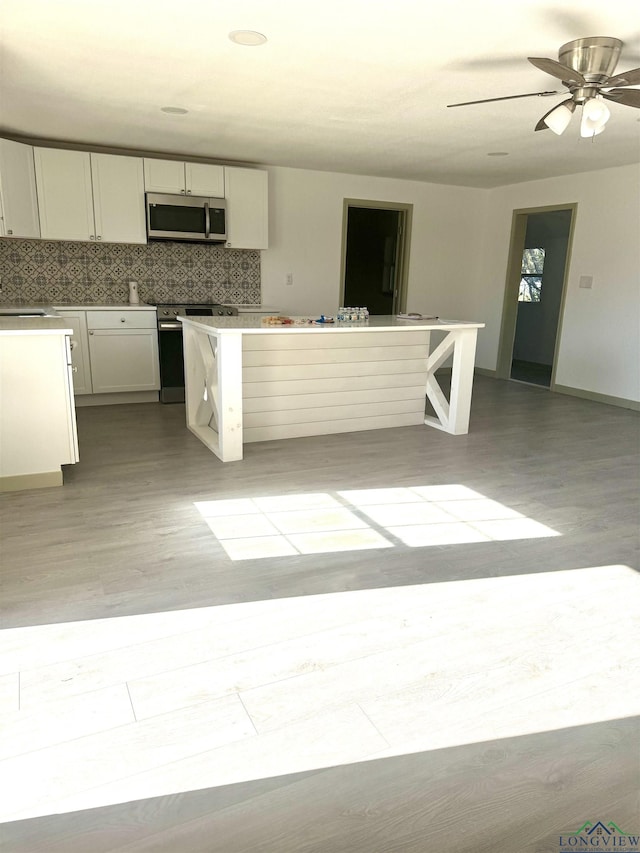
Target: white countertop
[252, 324]
[34, 326]
[103, 306]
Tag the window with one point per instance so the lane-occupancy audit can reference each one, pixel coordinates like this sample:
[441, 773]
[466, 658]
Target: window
[531, 275]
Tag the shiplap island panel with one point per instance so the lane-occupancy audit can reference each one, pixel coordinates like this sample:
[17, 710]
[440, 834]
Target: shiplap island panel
[246, 381]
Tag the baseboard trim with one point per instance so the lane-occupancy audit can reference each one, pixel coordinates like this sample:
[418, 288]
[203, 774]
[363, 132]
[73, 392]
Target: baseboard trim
[484, 371]
[116, 399]
[621, 402]
[19, 482]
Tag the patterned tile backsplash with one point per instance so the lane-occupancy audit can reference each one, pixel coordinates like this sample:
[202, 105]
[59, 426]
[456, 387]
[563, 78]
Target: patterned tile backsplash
[57, 271]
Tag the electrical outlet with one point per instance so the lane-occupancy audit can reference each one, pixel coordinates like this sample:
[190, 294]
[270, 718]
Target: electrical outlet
[586, 281]
[289, 279]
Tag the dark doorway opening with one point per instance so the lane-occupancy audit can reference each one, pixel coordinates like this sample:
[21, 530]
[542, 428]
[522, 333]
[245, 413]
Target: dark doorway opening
[374, 258]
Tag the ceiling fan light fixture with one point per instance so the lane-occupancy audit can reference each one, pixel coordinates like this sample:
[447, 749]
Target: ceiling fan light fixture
[595, 115]
[558, 119]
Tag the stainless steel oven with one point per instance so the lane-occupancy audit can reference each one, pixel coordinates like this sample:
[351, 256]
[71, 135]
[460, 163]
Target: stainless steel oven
[170, 344]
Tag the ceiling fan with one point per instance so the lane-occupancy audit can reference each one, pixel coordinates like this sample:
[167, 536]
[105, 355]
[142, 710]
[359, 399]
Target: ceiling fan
[585, 67]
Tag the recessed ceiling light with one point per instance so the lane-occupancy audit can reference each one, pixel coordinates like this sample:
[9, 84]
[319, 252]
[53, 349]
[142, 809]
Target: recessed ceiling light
[174, 111]
[498, 154]
[249, 38]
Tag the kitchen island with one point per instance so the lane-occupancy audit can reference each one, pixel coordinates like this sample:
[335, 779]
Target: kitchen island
[246, 381]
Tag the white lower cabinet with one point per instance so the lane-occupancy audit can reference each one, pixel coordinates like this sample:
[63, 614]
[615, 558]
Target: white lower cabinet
[114, 351]
[124, 360]
[79, 343]
[123, 351]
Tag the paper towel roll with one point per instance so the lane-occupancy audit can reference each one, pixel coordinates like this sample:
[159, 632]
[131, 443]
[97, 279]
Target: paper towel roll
[133, 293]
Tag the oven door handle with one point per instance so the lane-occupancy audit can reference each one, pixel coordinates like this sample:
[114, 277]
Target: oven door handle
[207, 221]
[169, 325]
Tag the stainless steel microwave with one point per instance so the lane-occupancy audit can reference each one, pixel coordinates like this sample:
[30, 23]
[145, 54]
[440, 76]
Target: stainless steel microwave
[177, 217]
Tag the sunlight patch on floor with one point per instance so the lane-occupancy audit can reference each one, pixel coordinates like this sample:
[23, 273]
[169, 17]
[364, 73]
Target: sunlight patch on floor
[112, 710]
[361, 519]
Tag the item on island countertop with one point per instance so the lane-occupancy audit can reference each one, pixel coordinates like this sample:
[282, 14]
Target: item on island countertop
[413, 316]
[324, 319]
[352, 315]
[276, 321]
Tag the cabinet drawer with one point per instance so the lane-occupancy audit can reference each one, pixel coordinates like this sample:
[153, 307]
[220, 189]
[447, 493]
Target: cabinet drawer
[121, 319]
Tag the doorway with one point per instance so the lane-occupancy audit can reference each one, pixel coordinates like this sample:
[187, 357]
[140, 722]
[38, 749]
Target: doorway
[534, 294]
[375, 250]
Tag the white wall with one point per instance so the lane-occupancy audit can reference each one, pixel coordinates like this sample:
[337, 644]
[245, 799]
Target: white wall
[600, 338]
[305, 239]
[459, 251]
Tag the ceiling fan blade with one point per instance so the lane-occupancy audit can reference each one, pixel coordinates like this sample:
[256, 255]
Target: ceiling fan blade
[541, 124]
[506, 98]
[557, 69]
[627, 78]
[628, 97]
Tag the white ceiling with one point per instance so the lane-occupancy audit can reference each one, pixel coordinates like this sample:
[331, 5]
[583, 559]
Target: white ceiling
[356, 86]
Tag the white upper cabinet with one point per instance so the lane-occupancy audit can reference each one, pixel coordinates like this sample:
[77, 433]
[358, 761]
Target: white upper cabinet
[118, 198]
[84, 196]
[65, 197]
[247, 208]
[175, 176]
[204, 179]
[164, 176]
[18, 199]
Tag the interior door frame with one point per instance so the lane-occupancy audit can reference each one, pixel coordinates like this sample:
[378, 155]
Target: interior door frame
[512, 286]
[404, 246]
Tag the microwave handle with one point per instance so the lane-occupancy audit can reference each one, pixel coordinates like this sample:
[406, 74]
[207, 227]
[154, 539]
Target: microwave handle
[207, 221]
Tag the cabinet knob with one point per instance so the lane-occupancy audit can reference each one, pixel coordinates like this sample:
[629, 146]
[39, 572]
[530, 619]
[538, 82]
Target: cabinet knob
[9, 231]
[188, 192]
[72, 344]
[182, 191]
[123, 320]
[74, 369]
[91, 332]
[91, 237]
[98, 237]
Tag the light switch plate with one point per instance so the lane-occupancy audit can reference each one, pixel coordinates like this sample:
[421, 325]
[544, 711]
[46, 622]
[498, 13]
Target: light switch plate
[586, 281]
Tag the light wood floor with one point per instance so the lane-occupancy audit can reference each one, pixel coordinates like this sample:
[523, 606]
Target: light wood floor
[438, 654]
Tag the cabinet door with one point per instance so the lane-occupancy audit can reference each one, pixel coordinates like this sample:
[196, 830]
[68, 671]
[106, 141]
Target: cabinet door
[247, 208]
[79, 344]
[65, 198]
[19, 209]
[164, 176]
[118, 198]
[124, 360]
[204, 179]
